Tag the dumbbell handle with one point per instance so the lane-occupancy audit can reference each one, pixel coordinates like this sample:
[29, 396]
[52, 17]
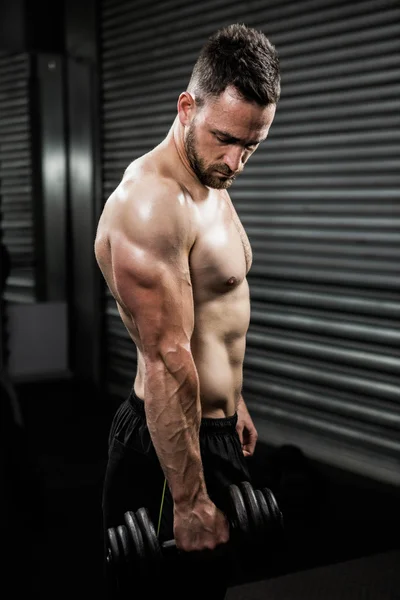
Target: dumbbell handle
[170, 546]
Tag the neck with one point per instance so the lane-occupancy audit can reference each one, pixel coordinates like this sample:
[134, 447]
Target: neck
[176, 136]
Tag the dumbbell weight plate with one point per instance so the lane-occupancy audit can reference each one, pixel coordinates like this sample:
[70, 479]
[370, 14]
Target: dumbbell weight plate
[277, 517]
[136, 537]
[264, 510]
[237, 514]
[255, 516]
[114, 560]
[153, 547]
[139, 567]
[124, 570]
[114, 552]
[124, 544]
[278, 557]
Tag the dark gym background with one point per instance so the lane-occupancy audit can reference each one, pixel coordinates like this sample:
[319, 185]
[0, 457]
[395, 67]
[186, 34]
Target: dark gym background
[86, 87]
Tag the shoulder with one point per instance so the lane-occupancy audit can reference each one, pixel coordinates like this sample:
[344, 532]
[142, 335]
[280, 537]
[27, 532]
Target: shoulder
[147, 202]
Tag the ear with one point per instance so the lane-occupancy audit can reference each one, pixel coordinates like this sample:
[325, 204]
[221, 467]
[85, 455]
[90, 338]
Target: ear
[186, 108]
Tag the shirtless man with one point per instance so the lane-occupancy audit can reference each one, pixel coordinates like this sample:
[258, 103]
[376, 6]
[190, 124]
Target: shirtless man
[175, 256]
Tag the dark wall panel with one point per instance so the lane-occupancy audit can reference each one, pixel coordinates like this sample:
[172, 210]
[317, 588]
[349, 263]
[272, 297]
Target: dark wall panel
[319, 201]
[16, 195]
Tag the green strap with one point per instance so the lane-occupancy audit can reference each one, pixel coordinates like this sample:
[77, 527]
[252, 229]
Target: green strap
[161, 507]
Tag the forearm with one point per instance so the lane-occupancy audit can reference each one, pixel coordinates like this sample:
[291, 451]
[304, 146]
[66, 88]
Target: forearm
[173, 413]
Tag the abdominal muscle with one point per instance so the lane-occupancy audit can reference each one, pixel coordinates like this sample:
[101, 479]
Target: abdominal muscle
[218, 353]
[219, 367]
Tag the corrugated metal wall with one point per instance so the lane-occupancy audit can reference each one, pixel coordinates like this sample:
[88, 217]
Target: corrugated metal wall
[319, 201]
[16, 203]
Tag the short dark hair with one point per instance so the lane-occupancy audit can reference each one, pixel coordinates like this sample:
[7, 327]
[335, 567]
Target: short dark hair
[237, 56]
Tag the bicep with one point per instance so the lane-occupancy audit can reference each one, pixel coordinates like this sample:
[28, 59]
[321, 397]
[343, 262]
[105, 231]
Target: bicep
[155, 290]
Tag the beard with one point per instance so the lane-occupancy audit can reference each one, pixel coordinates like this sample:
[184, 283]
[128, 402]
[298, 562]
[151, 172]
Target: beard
[206, 173]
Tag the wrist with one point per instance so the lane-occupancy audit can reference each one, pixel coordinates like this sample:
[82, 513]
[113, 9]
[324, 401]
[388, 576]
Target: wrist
[189, 498]
[241, 405]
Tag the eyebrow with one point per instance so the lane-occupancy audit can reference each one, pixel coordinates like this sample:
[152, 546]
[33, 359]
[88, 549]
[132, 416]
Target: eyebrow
[236, 140]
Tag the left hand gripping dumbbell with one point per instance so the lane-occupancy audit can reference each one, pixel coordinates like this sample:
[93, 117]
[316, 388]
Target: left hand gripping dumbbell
[255, 523]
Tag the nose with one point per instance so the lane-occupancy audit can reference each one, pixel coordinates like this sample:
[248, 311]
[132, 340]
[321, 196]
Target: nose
[233, 158]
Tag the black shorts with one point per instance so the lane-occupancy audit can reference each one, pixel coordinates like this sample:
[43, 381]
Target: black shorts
[134, 479]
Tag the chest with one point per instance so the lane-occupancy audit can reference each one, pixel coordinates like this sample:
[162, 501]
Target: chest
[221, 256]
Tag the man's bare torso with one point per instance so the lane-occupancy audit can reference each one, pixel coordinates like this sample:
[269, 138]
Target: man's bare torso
[219, 261]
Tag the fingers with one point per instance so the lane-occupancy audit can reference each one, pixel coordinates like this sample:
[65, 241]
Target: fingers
[240, 434]
[249, 446]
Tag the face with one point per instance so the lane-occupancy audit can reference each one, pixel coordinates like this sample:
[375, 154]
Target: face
[223, 135]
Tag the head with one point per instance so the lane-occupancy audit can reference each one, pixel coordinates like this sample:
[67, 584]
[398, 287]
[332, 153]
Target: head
[230, 103]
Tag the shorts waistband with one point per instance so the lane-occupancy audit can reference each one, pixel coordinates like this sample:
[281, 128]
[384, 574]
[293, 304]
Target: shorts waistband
[220, 424]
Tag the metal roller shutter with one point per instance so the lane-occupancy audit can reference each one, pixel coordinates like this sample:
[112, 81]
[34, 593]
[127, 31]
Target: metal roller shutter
[319, 201]
[16, 202]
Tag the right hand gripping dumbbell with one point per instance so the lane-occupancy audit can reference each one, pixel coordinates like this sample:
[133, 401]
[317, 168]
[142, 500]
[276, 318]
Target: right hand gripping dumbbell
[255, 522]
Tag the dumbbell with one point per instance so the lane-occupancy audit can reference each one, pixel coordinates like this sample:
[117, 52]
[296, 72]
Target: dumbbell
[255, 523]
